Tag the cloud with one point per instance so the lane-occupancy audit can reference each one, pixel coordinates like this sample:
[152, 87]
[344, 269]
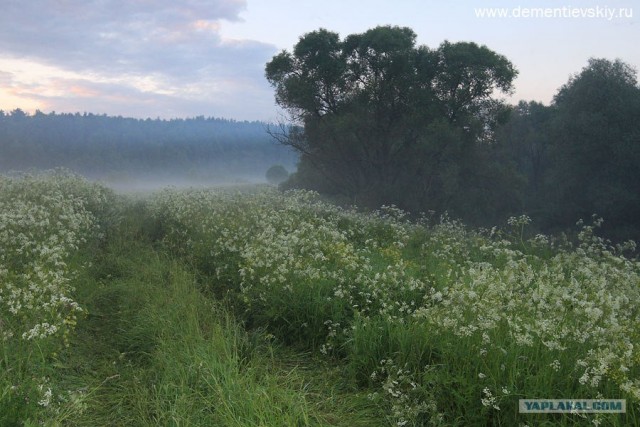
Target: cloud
[134, 36]
[238, 97]
[6, 79]
[149, 49]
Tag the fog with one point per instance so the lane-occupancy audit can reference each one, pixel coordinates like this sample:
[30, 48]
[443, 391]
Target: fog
[131, 155]
[148, 185]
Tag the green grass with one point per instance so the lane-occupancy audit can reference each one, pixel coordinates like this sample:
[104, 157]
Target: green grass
[442, 325]
[155, 351]
[264, 309]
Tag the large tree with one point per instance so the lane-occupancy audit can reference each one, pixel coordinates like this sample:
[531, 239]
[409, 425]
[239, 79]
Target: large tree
[596, 149]
[377, 117]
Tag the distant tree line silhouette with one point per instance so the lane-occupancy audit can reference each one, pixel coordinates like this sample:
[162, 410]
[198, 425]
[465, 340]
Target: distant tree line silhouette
[106, 147]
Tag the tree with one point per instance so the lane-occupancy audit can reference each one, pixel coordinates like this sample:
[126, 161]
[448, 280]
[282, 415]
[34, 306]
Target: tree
[597, 147]
[382, 120]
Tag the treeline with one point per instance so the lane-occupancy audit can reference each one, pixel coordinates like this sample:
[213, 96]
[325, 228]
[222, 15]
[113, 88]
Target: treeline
[379, 120]
[580, 156]
[126, 149]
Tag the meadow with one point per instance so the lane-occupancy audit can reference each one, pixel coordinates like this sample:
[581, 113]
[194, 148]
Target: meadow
[256, 308]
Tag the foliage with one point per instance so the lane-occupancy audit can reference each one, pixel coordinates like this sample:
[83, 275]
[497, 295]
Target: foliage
[155, 352]
[276, 174]
[597, 145]
[579, 156]
[526, 139]
[381, 120]
[131, 340]
[46, 222]
[444, 325]
[437, 323]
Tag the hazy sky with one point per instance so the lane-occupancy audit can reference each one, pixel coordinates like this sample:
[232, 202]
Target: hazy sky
[183, 58]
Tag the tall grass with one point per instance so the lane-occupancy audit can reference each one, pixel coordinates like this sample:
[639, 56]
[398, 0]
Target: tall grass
[442, 324]
[179, 358]
[150, 349]
[47, 225]
[262, 308]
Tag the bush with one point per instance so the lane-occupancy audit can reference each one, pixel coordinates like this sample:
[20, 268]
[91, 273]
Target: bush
[277, 174]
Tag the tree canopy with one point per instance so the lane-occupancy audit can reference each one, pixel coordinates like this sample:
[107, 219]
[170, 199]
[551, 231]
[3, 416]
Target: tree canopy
[380, 119]
[597, 149]
[276, 174]
[580, 156]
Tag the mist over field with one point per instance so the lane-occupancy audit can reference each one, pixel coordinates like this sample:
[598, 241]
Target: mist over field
[133, 155]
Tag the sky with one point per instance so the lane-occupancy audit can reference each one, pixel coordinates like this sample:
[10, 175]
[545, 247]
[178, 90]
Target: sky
[186, 58]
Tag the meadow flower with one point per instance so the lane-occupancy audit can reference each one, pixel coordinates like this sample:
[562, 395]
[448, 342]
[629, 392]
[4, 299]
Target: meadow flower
[484, 292]
[46, 397]
[489, 400]
[45, 221]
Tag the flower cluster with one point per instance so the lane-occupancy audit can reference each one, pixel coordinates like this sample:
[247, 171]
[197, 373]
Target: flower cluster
[45, 221]
[473, 302]
[37, 234]
[407, 398]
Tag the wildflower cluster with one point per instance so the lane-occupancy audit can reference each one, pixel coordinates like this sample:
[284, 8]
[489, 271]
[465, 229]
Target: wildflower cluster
[407, 397]
[45, 220]
[491, 314]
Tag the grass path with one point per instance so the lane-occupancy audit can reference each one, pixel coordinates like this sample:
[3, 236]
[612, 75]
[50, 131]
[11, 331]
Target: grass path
[154, 351]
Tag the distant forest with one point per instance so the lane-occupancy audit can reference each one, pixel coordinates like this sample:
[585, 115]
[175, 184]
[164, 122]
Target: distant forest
[125, 151]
